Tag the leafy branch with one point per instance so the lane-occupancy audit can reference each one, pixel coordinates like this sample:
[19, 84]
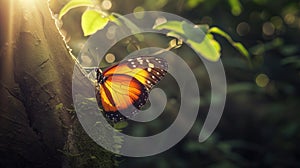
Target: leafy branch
[198, 37]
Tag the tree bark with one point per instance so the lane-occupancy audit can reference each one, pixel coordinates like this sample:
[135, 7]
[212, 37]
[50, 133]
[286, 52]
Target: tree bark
[35, 88]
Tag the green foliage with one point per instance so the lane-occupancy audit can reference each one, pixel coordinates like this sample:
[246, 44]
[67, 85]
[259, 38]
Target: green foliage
[209, 48]
[236, 7]
[193, 3]
[74, 4]
[239, 46]
[92, 21]
[120, 125]
[199, 37]
[194, 36]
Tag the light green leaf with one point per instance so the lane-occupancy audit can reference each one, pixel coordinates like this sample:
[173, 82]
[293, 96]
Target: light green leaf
[193, 33]
[174, 26]
[195, 37]
[193, 3]
[74, 4]
[92, 21]
[207, 48]
[113, 19]
[215, 43]
[240, 47]
[120, 125]
[236, 7]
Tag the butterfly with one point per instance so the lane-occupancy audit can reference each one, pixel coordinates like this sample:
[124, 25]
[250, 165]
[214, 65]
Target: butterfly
[125, 86]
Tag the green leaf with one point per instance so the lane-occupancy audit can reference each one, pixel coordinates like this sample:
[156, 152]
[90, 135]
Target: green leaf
[74, 4]
[195, 37]
[193, 3]
[113, 19]
[236, 7]
[193, 33]
[120, 125]
[207, 48]
[215, 43]
[92, 21]
[240, 47]
[173, 26]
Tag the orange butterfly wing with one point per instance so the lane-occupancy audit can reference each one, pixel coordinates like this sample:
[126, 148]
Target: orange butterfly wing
[125, 87]
[147, 70]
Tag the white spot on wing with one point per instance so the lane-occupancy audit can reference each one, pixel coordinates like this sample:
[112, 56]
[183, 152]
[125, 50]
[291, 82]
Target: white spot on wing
[151, 65]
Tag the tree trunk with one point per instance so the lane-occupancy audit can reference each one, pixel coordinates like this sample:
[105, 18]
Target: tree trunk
[35, 86]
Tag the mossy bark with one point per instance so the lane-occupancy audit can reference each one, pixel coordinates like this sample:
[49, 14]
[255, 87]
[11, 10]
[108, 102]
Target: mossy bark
[36, 126]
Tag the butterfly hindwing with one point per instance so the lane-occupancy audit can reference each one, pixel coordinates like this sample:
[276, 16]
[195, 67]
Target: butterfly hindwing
[125, 86]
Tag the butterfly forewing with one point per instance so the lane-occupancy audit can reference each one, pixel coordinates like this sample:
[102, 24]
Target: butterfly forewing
[125, 86]
[147, 70]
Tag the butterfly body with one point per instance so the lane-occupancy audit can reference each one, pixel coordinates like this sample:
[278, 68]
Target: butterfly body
[125, 87]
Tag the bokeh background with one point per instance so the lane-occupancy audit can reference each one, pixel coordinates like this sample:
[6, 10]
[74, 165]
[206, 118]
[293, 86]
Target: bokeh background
[260, 126]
